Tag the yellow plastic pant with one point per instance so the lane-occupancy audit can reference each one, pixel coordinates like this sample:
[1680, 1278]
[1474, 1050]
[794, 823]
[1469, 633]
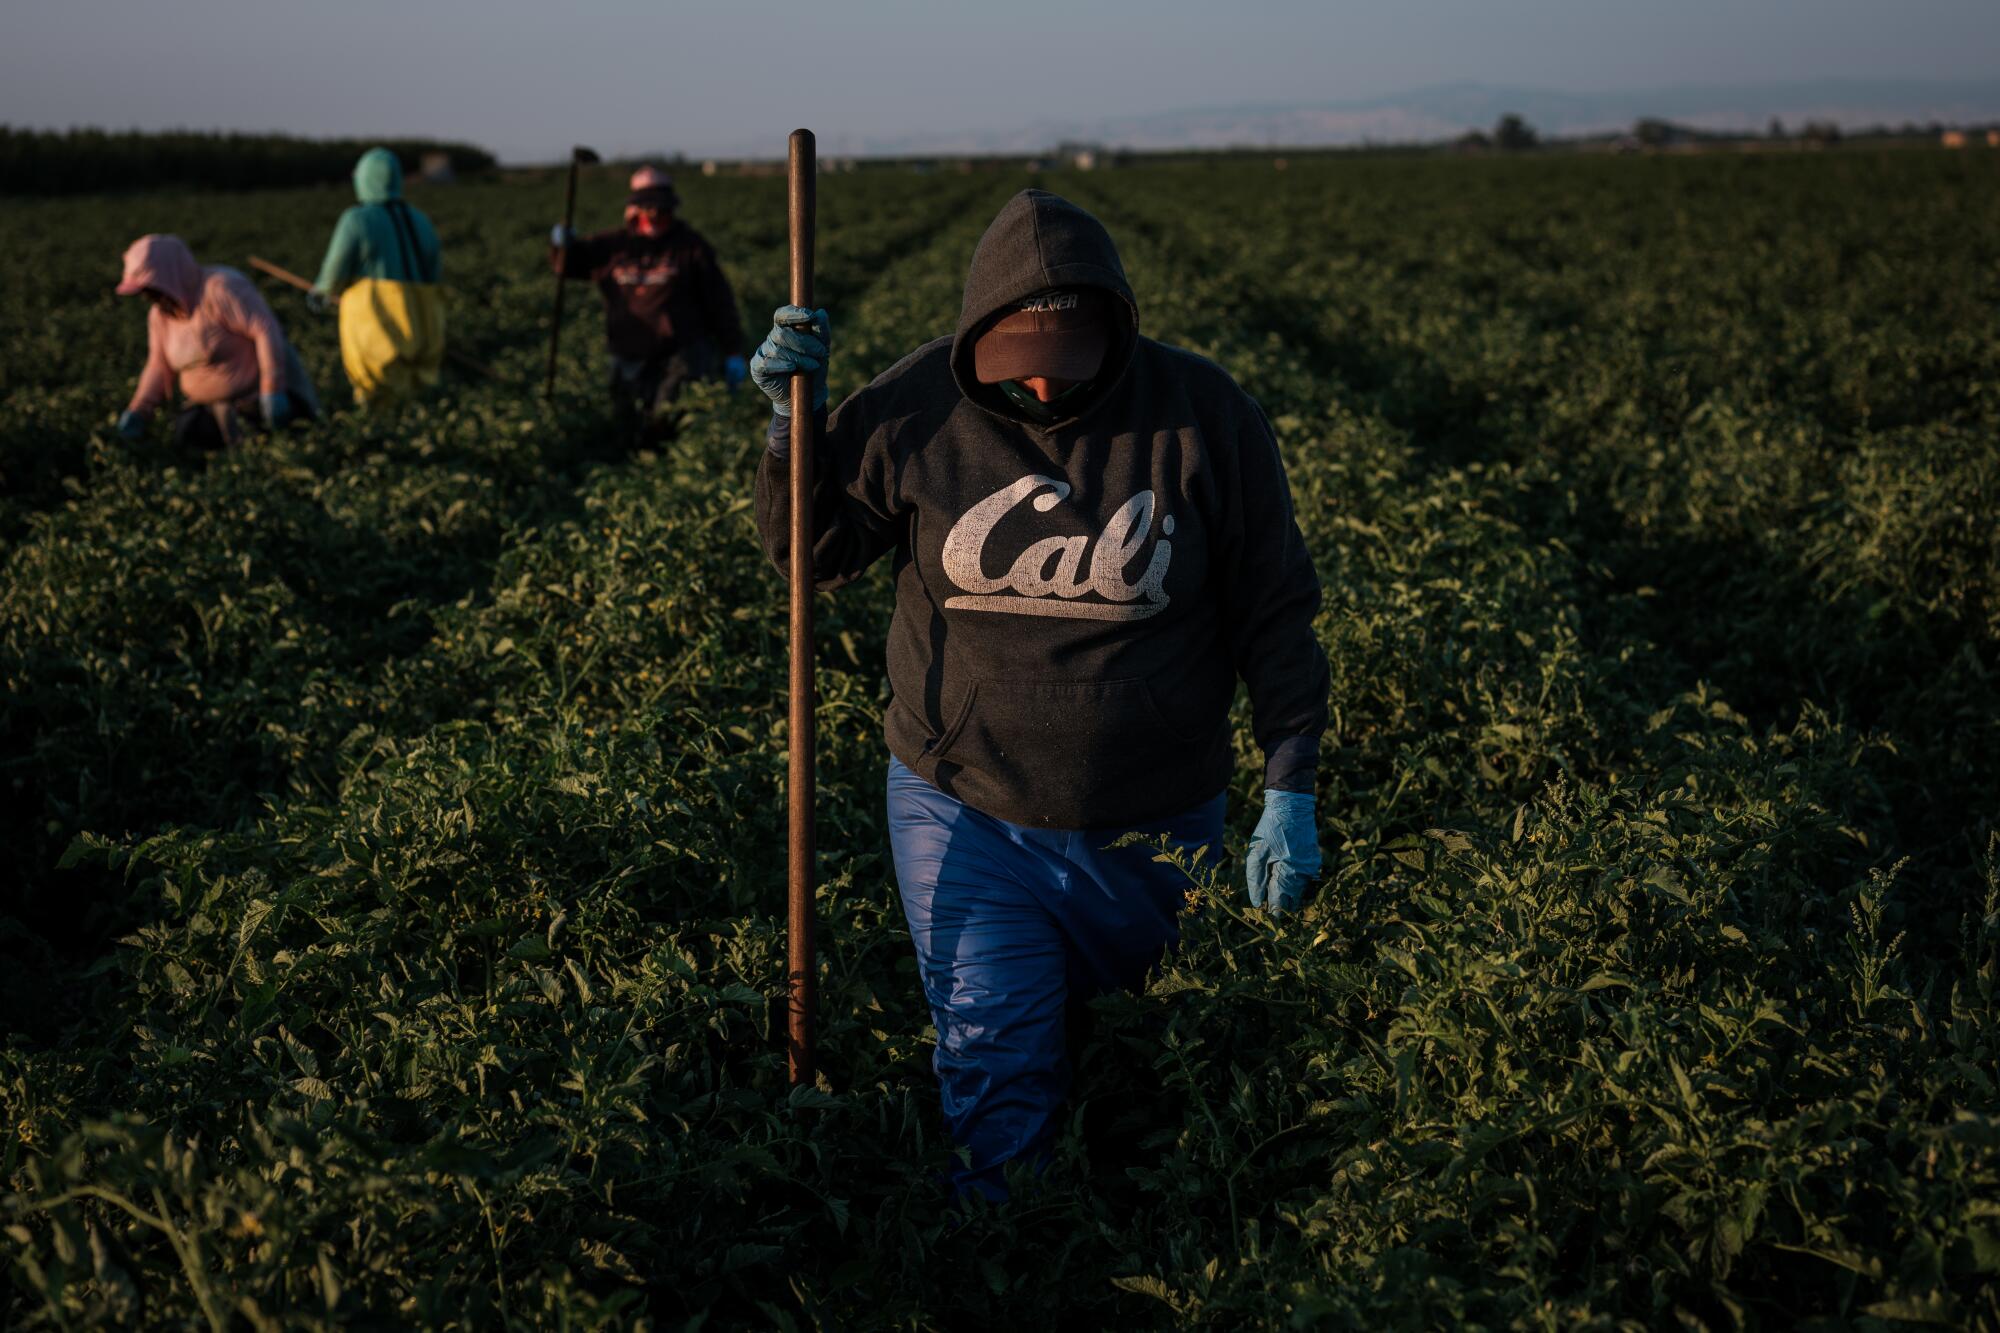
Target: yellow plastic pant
[391, 338]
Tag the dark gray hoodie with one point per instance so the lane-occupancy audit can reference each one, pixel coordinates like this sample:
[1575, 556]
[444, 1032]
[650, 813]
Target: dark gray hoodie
[1074, 601]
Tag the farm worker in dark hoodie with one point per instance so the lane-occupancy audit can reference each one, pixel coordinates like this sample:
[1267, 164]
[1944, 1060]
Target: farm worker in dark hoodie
[1092, 539]
[210, 330]
[384, 263]
[669, 314]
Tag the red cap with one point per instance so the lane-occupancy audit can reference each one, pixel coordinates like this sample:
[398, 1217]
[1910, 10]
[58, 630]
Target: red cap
[1062, 333]
[650, 178]
[652, 188]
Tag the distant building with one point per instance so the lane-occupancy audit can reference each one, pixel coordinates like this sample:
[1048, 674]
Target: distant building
[1083, 156]
[1952, 138]
[710, 167]
[1993, 138]
[434, 168]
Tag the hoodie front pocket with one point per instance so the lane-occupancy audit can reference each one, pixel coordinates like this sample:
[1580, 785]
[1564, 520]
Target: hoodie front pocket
[949, 736]
[1062, 743]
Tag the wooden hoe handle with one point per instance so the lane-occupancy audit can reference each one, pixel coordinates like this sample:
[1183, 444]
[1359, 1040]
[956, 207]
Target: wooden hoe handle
[804, 692]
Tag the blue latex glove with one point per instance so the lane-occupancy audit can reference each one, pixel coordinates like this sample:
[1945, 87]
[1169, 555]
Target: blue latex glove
[561, 237]
[734, 372]
[1284, 852]
[277, 408]
[800, 340]
[131, 425]
[318, 302]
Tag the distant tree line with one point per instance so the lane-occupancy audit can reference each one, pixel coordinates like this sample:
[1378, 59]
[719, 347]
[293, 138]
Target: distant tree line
[75, 161]
[1512, 134]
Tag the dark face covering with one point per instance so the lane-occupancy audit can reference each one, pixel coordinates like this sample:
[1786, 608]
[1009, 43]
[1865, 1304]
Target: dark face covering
[1062, 405]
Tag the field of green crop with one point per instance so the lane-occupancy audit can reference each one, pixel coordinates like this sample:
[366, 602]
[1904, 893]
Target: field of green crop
[393, 825]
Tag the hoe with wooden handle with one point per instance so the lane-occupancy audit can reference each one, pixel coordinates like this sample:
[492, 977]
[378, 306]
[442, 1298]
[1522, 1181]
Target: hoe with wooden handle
[804, 692]
[578, 156]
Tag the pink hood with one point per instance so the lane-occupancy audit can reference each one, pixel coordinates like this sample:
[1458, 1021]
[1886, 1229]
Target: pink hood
[222, 345]
[165, 264]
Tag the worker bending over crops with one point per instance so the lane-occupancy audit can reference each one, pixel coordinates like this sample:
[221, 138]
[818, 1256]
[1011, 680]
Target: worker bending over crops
[1093, 539]
[669, 314]
[384, 263]
[210, 330]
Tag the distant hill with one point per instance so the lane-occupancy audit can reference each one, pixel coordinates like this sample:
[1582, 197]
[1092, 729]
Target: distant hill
[1447, 110]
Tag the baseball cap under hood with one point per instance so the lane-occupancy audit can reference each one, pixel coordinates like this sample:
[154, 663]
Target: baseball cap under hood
[1040, 241]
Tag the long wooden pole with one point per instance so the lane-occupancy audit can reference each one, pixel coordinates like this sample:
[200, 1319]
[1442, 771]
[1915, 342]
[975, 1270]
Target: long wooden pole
[577, 157]
[804, 690]
[292, 279]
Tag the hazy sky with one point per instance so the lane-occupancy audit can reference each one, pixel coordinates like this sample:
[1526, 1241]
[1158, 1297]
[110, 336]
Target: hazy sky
[529, 77]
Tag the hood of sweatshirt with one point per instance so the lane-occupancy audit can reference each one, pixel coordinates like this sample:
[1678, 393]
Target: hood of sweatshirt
[378, 177]
[1037, 241]
[165, 264]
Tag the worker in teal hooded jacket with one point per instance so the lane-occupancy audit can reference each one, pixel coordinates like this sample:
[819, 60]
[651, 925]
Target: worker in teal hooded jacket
[383, 263]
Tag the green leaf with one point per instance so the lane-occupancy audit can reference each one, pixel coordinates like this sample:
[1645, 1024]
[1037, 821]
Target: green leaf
[1148, 1286]
[1688, 1098]
[1935, 1307]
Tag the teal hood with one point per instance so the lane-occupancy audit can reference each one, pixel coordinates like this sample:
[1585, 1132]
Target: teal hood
[378, 177]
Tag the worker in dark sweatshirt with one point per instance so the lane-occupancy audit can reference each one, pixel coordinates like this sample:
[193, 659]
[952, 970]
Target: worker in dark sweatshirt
[669, 314]
[1093, 540]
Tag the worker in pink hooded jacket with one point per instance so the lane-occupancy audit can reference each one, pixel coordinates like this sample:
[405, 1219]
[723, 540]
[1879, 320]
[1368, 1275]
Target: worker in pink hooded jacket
[211, 328]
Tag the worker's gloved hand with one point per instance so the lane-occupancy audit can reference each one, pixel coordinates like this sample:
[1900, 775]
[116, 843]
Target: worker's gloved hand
[131, 425]
[734, 372]
[1284, 852]
[319, 301]
[277, 408]
[800, 340]
[561, 237]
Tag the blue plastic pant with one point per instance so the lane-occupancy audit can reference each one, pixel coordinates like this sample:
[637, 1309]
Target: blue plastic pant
[1012, 924]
